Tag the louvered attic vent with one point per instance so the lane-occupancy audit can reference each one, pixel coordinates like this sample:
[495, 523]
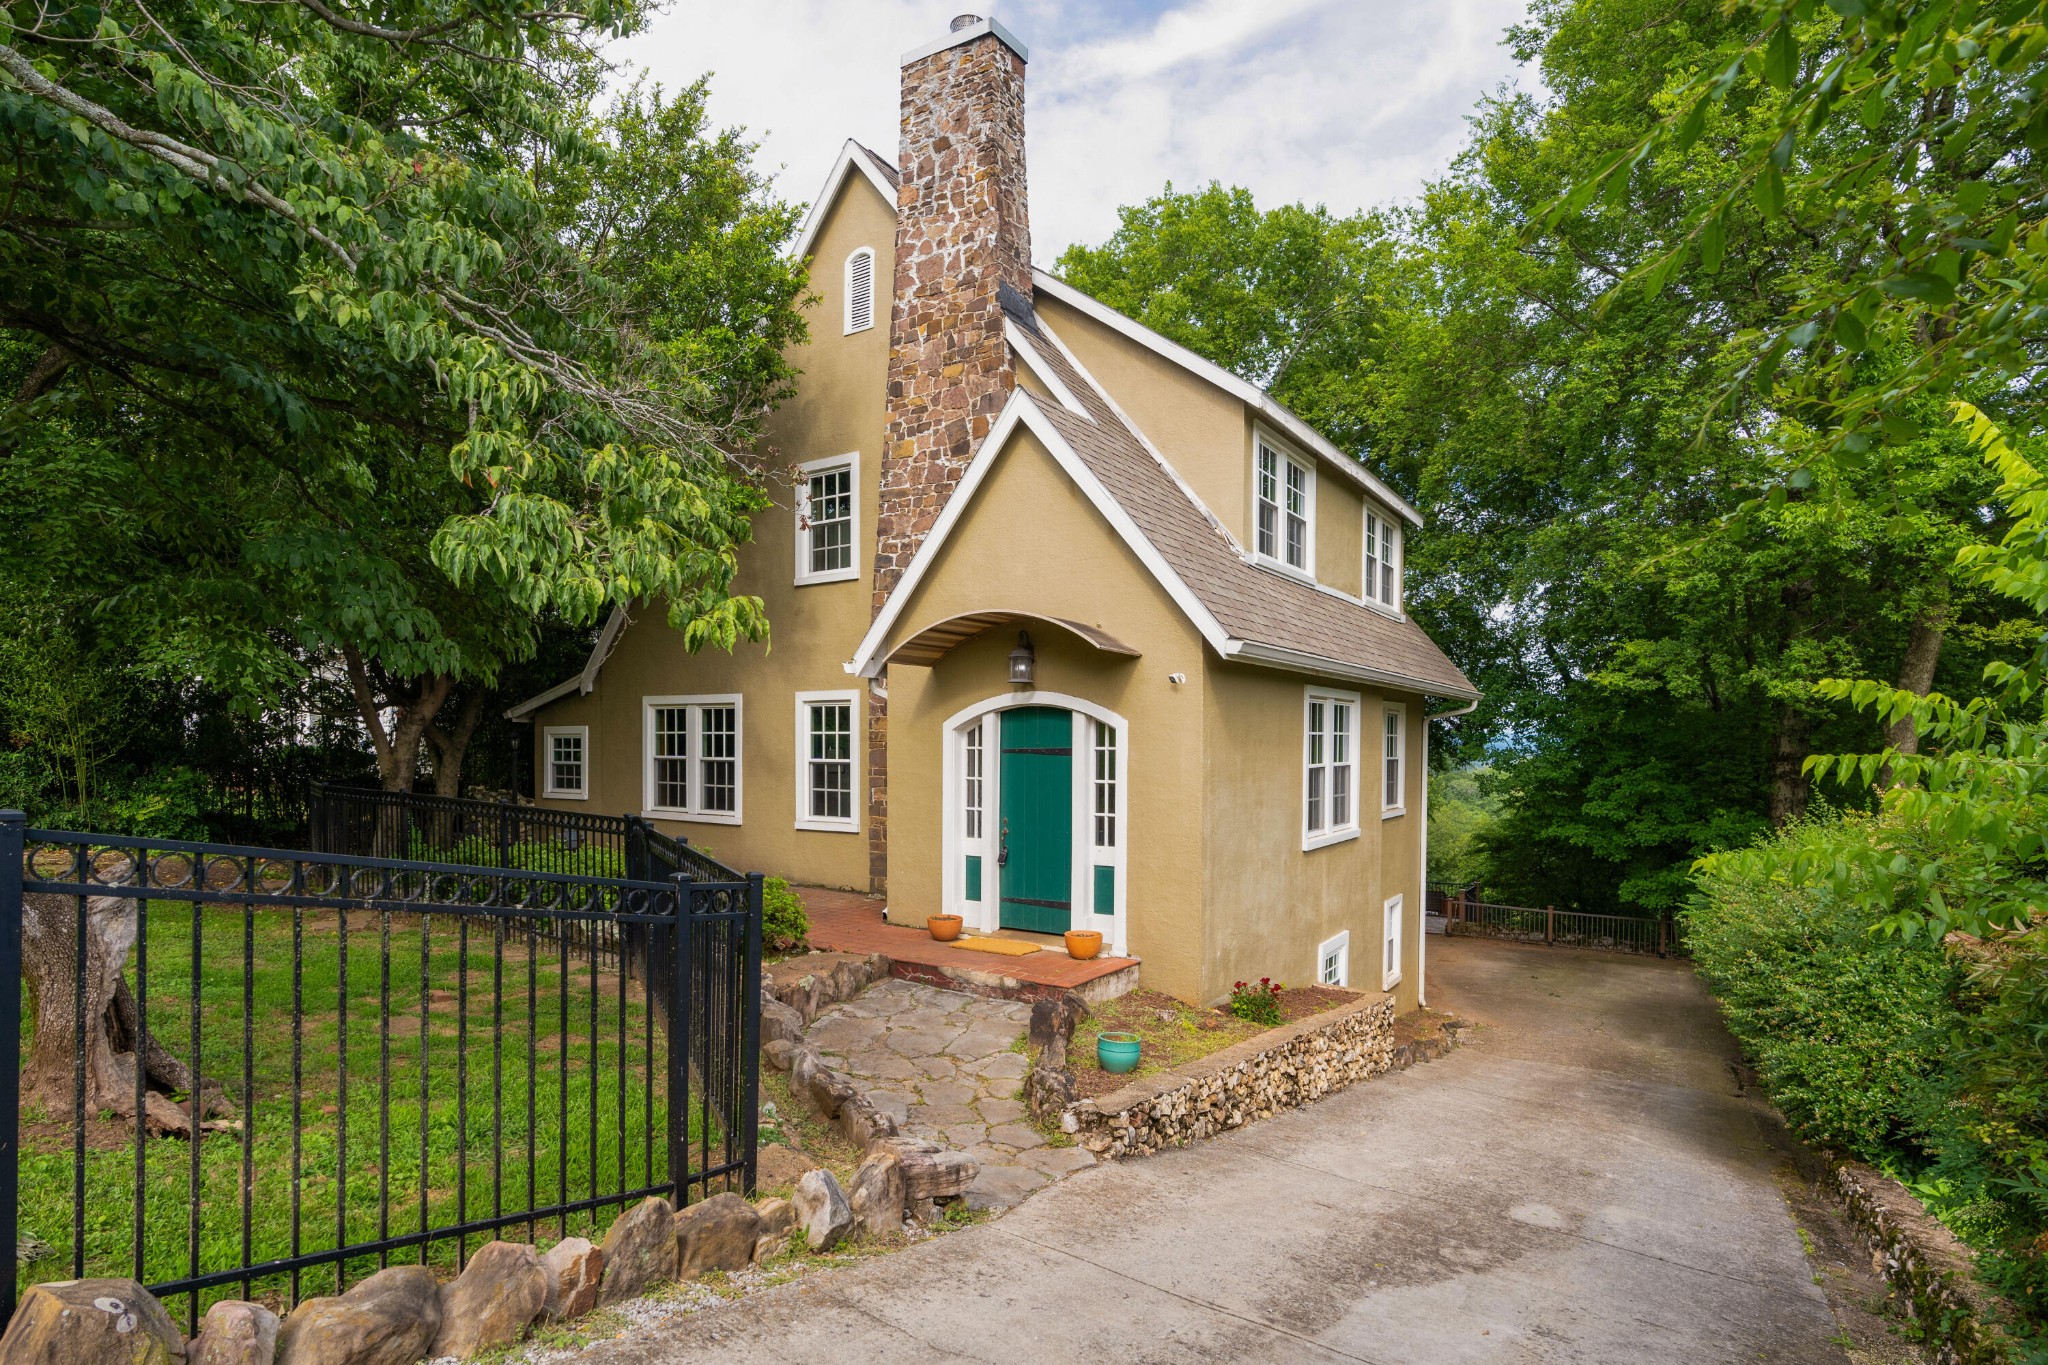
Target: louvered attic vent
[860, 290]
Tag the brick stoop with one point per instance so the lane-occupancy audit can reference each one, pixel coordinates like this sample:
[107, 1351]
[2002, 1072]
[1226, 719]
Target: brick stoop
[846, 922]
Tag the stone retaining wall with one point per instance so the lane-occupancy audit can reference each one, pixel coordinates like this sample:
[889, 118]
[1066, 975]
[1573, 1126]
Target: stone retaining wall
[1933, 1274]
[1284, 1069]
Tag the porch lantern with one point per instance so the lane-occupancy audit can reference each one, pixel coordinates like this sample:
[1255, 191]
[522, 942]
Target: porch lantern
[1023, 660]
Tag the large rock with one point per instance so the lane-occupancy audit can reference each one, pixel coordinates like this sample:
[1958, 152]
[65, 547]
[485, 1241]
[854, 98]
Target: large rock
[640, 1250]
[817, 1085]
[235, 1332]
[491, 1303]
[777, 1217]
[821, 1211]
[878, 1192]
[776, 1164]
[780, 1023]
[91, 1322]
[574, 1268]
[929, 1170]
[778, 1053]
[1053, 1022]
[391, 1318]
[718, 1234]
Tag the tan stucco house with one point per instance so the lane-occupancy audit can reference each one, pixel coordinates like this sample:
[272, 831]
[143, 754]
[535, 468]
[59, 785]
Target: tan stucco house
[1071, 628]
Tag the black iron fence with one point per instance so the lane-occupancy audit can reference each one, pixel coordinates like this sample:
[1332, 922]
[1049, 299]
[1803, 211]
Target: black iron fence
[245, 1067]
[1562, 928]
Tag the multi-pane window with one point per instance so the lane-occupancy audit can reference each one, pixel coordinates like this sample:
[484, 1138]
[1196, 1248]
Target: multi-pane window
[860, 290]
[718, 750]
[828, 761]
[671, 756]
[1330, 780]
[972, 773]
[1391, 799]
[1104, 783]
[1285, 497]
[825, 521]
[693, 757]
[1382, 561]
[1333, 961]
[1390, 943]
[566, 749]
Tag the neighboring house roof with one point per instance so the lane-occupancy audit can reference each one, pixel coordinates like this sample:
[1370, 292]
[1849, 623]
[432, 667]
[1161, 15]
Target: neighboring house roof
[1244, 611]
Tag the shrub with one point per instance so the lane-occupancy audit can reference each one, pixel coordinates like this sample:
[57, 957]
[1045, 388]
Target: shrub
[1846, 1028]
[1259, 1003]
[784, 925]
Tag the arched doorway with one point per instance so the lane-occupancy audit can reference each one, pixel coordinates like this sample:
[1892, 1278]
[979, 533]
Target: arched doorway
[1036, 830]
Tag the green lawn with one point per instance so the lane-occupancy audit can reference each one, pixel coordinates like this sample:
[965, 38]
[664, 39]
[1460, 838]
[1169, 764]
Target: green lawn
[509, 1058]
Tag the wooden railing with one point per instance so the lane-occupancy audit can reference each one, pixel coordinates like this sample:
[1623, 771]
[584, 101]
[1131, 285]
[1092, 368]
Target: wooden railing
[1561, 928]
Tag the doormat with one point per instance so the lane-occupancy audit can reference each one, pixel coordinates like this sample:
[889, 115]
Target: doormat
[1008, 947]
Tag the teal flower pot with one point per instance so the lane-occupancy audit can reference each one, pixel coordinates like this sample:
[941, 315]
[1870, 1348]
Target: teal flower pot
[1118, 1052]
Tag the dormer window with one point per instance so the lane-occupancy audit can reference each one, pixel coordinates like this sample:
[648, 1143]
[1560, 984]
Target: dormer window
[1382, 561]
[1285, 497]
[860, 290]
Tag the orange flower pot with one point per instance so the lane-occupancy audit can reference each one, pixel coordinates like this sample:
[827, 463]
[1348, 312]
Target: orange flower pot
[945, 928]
[1083, 943]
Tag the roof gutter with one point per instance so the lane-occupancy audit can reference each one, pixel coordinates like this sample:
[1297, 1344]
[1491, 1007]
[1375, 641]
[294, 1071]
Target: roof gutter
[1299, 661]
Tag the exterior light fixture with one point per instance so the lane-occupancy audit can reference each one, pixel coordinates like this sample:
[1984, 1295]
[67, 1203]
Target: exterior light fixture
[1023, 660]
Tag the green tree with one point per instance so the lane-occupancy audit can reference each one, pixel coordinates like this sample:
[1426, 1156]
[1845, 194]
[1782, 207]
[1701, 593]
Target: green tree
[361, 338]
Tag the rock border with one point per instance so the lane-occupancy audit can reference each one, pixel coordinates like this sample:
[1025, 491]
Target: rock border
[1933, 1273]
[1284, 1068]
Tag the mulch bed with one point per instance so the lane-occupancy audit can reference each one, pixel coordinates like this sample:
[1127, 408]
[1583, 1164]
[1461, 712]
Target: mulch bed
[1172, 1032]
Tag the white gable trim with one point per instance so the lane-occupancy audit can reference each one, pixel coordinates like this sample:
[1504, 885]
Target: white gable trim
[1023, 410]
[852, 157]
[1250, 394]
[1021, 344]
[583, 682]
[1316, 665]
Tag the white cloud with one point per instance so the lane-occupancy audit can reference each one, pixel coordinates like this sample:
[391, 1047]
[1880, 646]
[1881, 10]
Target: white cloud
[1349, 103]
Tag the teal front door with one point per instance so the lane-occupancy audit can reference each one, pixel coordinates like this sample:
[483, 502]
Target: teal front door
[1036, 848]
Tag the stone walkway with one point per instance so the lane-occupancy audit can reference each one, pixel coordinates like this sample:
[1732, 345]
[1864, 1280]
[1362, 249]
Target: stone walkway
[947, 1066]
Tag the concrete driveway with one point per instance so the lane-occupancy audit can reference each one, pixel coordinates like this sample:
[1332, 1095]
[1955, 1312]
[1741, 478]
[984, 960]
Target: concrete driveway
[1581, 1182]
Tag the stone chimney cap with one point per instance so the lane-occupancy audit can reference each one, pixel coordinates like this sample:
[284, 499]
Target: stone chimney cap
[966, 29]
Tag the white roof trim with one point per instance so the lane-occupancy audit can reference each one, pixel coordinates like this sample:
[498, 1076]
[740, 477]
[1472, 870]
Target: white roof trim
[1021, 344]
[852, 157]
[1023, 410]
[584, 682]
[1298, 661]
[1250, 394]
[968, 35]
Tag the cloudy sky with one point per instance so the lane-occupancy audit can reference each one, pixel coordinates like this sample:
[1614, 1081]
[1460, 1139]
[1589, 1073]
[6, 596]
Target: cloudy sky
[1350, 103]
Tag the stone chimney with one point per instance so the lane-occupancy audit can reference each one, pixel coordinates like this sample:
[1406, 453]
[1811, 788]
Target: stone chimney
[962, 233]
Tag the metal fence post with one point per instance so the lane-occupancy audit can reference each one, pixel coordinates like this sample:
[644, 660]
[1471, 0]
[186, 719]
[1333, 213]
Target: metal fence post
[13, 838]
[504, 833]
[679, 1043]
[750, 1054]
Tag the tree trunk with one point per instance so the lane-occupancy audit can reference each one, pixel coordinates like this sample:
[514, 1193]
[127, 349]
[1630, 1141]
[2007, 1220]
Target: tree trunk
[451, 746]
[49, 968]
[1916, 674]
[1789, 784]
[412, 712]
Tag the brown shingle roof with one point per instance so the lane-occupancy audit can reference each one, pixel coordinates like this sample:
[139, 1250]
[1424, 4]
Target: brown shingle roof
[1259, 606]
[882, 163]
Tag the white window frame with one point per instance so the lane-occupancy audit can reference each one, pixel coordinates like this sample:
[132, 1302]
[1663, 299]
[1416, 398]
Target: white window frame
[854, 322]
[581, 733]
[1382, 540]
[1399, 757]
[855, 715]
[1331, 832]
[850, 462]
[1392, 933]
[1340, 947]
[1284, 456]
[693, 781]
